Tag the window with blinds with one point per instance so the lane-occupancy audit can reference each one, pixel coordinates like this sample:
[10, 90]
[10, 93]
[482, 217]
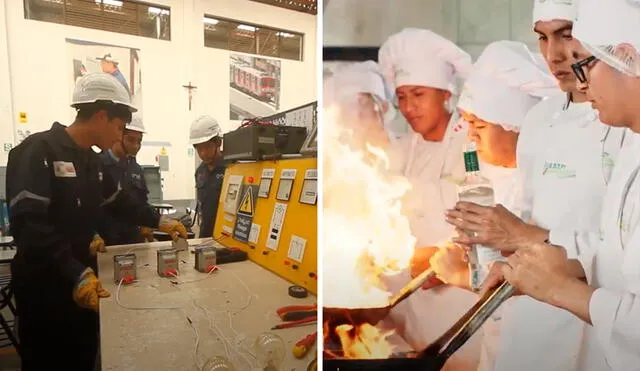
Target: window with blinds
[304, 6]
[221, 33]
[126, 17]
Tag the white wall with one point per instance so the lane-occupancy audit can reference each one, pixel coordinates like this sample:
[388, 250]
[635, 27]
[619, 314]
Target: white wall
[472, 24]
[6, 114]
[39, 63]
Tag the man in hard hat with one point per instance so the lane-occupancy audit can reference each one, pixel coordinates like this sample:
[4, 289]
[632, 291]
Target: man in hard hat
[109, 65]
[120, 162]
[206, 138]
[56, 190]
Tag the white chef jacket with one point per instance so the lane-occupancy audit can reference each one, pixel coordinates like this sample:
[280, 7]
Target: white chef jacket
[433, 169]
[430, 166]
[507, 188]
[613, 341]
[566, 164]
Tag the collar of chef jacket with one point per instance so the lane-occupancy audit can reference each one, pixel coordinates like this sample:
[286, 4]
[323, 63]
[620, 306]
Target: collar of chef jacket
[570, 112]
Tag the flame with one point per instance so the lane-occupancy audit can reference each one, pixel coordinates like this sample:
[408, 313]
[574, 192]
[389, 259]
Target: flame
[364, 342]
[365, 233]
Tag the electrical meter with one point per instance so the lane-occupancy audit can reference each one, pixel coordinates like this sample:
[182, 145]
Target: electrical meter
[287, 176]
[309, 193]
[167, 262]
[234, 194]
[124, 268]
[205, 258]
[265, 182]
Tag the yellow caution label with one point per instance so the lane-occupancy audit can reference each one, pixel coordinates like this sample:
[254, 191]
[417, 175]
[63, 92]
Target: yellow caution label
[246, 206]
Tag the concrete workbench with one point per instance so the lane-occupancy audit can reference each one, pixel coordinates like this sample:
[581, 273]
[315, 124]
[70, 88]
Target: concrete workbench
[164, 340]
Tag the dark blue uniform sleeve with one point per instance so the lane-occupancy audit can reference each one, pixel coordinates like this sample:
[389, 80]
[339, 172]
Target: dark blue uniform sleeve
[29, 194]
[107, 227]
[123, 206]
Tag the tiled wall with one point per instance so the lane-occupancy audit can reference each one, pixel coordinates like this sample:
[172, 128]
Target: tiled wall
[472, 24]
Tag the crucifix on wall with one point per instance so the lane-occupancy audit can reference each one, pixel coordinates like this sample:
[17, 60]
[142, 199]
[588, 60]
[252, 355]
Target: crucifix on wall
[191, 89]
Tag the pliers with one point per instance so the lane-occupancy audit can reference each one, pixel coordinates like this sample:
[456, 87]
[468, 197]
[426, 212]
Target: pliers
[296, 315]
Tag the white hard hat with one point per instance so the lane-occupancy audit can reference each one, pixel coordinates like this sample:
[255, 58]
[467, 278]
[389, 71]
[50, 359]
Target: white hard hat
[100, 87]
[203, 129]
[108, 58]
[136, 124]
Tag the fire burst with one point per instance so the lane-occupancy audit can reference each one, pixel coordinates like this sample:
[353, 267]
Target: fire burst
[365, 233]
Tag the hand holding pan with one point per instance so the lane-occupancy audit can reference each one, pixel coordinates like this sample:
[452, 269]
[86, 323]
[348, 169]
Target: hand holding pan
[358, 316]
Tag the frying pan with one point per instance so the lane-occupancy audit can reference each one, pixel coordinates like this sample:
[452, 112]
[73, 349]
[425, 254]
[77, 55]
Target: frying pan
[374, 315]
[433, 357]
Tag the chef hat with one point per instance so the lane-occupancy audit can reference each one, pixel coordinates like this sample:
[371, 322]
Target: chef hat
[548, 10]
[423, 58]
[362, 77]
[504, 83]
[602, 28]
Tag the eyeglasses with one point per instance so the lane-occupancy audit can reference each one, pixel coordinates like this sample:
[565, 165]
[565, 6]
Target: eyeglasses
[578, 68]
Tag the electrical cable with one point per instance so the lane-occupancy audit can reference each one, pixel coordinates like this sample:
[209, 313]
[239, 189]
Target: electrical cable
[136, 308]
[213, 269]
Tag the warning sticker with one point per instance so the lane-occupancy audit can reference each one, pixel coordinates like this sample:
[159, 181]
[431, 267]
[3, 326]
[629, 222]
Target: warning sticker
[246, 205]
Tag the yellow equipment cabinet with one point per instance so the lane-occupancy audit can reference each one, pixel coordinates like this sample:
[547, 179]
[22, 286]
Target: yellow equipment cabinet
[269, 209]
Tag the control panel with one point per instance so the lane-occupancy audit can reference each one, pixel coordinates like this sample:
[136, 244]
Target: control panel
[275, 217]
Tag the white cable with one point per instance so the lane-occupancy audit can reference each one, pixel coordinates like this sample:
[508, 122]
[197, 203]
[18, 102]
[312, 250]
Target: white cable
[237, 335]
[246, 288]
[197, 344]
[136, 308]
[197, 279]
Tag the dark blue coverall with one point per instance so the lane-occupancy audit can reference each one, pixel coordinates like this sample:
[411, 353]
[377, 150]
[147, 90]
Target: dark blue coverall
[131, 177]
[209, 187]
[56, 192]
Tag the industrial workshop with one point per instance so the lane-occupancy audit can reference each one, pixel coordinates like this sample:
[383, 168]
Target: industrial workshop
[158, 185]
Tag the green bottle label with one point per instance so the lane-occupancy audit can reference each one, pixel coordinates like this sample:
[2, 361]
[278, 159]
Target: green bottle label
[471, 161]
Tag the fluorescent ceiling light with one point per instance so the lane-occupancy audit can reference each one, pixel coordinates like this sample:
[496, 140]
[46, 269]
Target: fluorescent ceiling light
[284, 34]
[246, 28]
[158, 11]
[210, 20]
[109, 2]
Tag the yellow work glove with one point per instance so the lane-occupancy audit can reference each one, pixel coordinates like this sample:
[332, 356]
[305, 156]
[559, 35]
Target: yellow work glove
[89, 290]
[147, 234]
[97, 245]
[172, 227]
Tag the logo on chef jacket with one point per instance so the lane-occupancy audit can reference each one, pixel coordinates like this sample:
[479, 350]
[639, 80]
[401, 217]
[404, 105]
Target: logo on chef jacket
[607, 160]
[558, 170]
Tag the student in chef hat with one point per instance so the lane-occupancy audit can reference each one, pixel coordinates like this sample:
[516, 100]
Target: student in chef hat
[359, 93]
[506, 81]
[423, 67]
[601, 286]
[612, 36]
[504, 84]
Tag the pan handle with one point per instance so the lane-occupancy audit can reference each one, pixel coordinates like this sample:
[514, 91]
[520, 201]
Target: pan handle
[412, 286]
